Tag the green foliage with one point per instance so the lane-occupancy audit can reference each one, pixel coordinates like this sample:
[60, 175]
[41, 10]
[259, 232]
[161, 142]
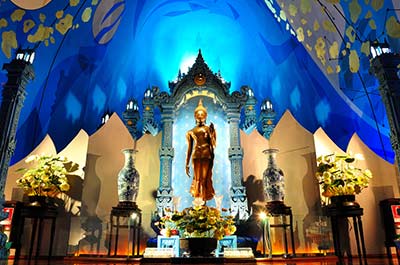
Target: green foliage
[48, 176]
[338, 175]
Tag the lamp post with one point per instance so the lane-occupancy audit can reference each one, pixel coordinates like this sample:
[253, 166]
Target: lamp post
[19, 73]
[385, 66]
[267, 117]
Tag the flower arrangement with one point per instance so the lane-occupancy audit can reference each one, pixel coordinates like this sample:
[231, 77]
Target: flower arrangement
[48, 177]
[338, 175]
[197, 221]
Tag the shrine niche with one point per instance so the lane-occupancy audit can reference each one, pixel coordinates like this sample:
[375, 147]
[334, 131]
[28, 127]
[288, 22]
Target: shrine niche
[176, 111]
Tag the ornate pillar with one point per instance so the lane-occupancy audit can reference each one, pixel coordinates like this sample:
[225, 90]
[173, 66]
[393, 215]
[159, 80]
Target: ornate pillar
[164, 193]
[385, 68]
[19, 73]
[235, 152]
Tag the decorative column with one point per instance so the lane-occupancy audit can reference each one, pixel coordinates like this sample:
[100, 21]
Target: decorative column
[164, 193]
[385, 66]
[235, 152]
[19, 73]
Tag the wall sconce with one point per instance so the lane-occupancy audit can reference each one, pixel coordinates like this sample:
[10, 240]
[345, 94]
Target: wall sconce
[267, 117]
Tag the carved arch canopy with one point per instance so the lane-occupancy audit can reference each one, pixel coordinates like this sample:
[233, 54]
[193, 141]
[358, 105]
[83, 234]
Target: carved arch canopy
[200, 81]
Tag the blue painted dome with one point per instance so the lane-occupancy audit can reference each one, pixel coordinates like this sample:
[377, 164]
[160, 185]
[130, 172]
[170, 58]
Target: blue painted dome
[94, 55]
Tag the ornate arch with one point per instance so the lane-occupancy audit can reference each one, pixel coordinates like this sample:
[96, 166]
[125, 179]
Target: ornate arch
[200, 81]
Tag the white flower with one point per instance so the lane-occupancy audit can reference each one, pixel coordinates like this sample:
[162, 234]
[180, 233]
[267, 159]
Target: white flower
[30, 158]
[359, 157]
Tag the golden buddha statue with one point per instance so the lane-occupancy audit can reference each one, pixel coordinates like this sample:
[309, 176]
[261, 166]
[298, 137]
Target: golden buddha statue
[201, 144]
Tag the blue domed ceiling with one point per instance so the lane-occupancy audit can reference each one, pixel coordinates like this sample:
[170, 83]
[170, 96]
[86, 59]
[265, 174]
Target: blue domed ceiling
[309, 57]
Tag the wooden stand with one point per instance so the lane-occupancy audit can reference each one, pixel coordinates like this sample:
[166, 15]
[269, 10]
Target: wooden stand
[38, 214]
[339, 216]
[279, 209]
[125, 210]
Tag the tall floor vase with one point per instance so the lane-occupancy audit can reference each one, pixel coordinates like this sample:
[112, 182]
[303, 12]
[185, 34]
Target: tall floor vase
[274, 185]
[128, 180]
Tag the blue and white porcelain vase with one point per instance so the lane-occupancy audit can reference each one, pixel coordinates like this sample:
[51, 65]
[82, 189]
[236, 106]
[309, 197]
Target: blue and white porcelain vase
[274, 185]
[128, 178]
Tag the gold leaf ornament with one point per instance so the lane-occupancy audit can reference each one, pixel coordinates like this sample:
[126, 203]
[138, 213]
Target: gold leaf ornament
[305, 6]
[9, 41]
[334, 50]
[17, 15]
[87, 14]
[42, 34]
[393, 27]
[64, 24]
[3, 23]
[354, 61]
[320, 50]
[351, 34]
[28, 25]
[300, 34]
[355, 10]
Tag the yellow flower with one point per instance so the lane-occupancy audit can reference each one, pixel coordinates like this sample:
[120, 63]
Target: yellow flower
[64, 186]
[48, 176]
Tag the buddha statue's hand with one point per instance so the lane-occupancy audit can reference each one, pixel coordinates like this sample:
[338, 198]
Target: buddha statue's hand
[188, 171]
[212, 127]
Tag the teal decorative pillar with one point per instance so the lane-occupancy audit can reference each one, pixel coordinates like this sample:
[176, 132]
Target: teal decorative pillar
[239, 205]
[19, 73]
[385, 66]
[164, 193]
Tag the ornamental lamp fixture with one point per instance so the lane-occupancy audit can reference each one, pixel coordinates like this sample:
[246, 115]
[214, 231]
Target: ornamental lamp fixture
[26, 55]
[106, 116]
[148, 93]
[267, 117]
[131, 117]
[378, 48]
[267, 106]
[132, 105]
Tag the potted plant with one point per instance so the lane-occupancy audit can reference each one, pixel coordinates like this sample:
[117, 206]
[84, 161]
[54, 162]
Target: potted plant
[201, 225]
[340, 178]
[46, 178]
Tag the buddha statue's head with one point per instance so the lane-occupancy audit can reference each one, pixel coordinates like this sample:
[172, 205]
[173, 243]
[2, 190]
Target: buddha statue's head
[200, 113]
